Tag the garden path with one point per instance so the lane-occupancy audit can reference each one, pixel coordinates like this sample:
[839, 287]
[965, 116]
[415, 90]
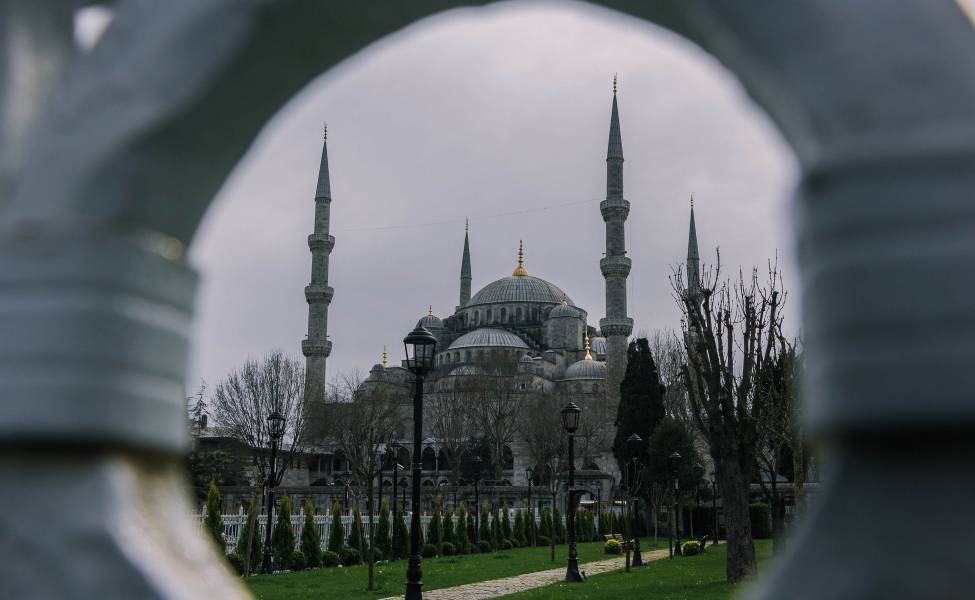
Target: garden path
[509, 585]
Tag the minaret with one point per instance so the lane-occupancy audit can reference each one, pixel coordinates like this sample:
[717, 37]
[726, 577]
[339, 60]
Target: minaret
[318, 294]
[617, 326]
[693, 259]
[465, 270]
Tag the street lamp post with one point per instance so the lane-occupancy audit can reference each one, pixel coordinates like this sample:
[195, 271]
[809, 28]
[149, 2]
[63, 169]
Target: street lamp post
[636, 443]
[675, 534]
[570, 421]
[419, 345]
[530, 476]
[275, 422]
[476, 461]
[714, 505]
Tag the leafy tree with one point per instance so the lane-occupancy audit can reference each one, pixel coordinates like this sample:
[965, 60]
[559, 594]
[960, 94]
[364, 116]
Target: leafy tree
[402, 547]
[382, 530]
[214, 522]
[336, 535]
[672, 436]
[448, 527]
[641, 405]
[283, 535]
[357, 538]
[460, 538]
[310, 543]
[249, 537]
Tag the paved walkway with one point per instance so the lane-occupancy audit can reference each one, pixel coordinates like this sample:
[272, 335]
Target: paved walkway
[509, 585]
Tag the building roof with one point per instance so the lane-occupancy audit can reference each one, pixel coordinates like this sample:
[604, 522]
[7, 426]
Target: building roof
[520, 288]
[430, 322]
[487, 337]
[585, 369]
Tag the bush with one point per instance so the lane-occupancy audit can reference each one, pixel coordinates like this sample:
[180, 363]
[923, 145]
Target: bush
[761, 518]
[690, 548]
[544, 540]
[447, 549]
[330, 559]
[506, 545]
[472, 549]
[428, 551]
[298, 561]
[350, 557]
[236, 563]
[613, 547]
[484, 546]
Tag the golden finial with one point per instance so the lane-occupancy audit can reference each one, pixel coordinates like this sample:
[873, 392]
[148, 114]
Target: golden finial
[325, 131]
[520, 269]
[588, 353]
[692, 200]
[614, 84]
[385, 358]
[430, 311]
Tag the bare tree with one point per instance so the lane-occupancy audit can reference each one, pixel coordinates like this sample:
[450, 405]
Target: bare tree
[498, 402]
[668, 353]
[363, 423]
[449, 410]
[242, 402]
[732, 338]
[546, 441]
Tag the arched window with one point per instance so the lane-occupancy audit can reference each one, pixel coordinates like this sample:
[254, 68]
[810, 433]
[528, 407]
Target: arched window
[504, 314]
[429, 459]
[443, 461]
[518, 314]
[477, 316]
[467, 355]
[508, 461]
[490, 315]
[404, 457]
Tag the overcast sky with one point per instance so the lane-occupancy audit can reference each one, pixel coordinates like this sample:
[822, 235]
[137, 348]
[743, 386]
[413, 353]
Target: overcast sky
[479, 113]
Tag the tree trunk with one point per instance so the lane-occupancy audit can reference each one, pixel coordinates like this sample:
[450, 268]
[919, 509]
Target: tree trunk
[653, 517]
[372, 533]
[740, 564]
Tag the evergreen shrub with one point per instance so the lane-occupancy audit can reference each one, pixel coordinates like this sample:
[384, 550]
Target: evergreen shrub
[350, 557]
[613, 546]
[330, 559]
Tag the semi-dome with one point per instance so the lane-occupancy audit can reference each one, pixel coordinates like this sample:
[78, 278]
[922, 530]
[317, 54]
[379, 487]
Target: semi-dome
[585, 369]
[488, 337]
[564, 310]
[430, 321]
[520, 288]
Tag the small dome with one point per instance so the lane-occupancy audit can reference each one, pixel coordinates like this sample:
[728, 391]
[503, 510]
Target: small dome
[377, 368]
[598, 345]
[527, 359]
[430, 322]
[564, 310]
[488, 337]
[585, 369]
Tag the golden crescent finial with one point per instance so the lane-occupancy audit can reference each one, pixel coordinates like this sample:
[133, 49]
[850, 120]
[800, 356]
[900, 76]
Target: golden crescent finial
[588, 353]
[520, 270]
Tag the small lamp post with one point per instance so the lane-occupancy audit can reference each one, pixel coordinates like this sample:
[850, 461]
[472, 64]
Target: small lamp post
[476, 461]
[675, 535]
[714, 504]
[635, 443]
[570, 421]
[420, 345]
[275, 422]
[530, 476]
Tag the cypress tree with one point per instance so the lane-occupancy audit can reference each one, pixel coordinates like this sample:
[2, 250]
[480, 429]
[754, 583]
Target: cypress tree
[461, 539]
[213, 521]
[448, 527]
[496, 529]
[433, 528]
[382, 530]
[558, 526]
[245, 534]
[471, 523]
[506, 533]
[283, 536]
[357, 538]
[336, 535]
[546, 525]
[518, 531]
[310, 542]
[484, 534]
[402, 547]
[641, 405]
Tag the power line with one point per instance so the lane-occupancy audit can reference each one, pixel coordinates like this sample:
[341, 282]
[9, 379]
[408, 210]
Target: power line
[462, 219]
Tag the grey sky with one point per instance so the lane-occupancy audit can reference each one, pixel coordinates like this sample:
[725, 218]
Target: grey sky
[475, 113]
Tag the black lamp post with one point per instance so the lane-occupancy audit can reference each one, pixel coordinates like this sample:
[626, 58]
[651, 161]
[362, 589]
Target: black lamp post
[530, 476]
[675, 534]
[476, 461]
[714, 505]
[275, 422]
[570, 421]
[419, 345]
[636, 443]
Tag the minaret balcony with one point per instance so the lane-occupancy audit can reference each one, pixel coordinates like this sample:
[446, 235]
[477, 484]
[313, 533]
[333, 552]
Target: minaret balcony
[318, 294]
[615, 266]
[614, 208]
[610, 327]
[321, 241]
[316, 347]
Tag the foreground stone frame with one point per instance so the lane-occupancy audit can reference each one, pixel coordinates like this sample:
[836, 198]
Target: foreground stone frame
[127, 145]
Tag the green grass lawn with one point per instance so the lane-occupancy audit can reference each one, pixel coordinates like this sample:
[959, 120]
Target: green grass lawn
[688, 578]
[350, 583]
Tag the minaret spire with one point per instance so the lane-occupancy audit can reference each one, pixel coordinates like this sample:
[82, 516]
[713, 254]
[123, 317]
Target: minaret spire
[318, 294]
[465, 268]
[693, 258]
[617, 326]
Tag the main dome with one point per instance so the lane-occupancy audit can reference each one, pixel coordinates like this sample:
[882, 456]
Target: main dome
[520, 288]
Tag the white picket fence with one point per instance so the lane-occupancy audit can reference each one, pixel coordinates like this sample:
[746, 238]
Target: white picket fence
[233, 524]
